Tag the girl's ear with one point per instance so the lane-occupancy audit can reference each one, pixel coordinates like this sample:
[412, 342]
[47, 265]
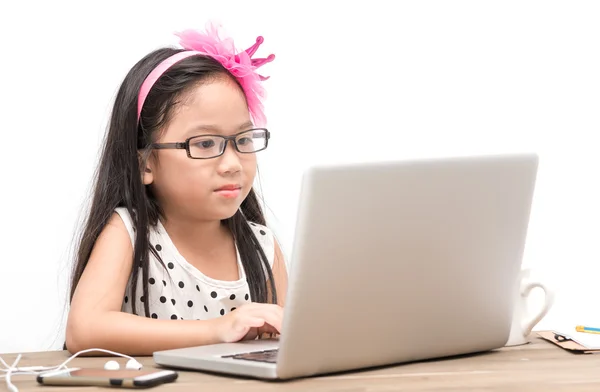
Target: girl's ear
[147, 176]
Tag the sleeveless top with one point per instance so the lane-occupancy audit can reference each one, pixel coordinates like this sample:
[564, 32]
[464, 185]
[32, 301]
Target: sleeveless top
[184, 292]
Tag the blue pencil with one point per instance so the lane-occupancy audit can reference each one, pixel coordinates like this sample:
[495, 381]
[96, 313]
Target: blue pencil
[581, 328]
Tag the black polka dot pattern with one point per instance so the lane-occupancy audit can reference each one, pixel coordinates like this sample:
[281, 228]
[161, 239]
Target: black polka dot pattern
[196, 302]
[158, 247]
[263, 232]
[171, 265]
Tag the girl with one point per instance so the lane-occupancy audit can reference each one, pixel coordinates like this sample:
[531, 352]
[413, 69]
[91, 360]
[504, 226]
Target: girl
[174, 252]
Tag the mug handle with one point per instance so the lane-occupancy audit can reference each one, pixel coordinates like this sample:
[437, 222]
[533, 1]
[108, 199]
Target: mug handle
[548, 301]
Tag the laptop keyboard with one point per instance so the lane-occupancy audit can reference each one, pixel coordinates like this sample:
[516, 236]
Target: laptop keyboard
[269, 356]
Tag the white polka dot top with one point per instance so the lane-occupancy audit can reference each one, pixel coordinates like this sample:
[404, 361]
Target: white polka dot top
[185, 293]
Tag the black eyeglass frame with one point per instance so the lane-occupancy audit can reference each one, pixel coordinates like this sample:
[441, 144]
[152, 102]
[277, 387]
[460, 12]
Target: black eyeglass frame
[185, 145]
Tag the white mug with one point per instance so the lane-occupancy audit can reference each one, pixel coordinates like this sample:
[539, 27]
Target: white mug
[523, 320]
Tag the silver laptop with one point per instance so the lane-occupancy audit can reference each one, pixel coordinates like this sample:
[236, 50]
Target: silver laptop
[392, 262]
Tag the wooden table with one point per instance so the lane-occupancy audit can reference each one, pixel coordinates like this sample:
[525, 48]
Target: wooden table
[538, 366]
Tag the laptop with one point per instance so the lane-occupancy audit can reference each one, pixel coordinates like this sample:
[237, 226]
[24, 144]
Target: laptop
[392, 262]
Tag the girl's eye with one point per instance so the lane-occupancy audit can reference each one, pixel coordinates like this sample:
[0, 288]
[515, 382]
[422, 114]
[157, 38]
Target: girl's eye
[244, 140]
[208, 143]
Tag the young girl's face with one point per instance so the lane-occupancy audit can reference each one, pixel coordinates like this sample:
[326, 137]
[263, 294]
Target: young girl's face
[193, 188]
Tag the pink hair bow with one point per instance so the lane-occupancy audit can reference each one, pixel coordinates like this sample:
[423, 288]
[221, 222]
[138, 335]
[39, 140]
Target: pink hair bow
[239, 64]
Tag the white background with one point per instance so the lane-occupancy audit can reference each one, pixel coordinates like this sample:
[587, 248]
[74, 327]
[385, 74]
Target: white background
[352, 81]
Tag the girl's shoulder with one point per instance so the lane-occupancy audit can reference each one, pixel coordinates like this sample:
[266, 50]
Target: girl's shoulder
[266, 239]
[127, 220]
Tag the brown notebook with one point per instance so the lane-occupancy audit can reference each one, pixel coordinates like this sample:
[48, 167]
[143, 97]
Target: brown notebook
[566, 343]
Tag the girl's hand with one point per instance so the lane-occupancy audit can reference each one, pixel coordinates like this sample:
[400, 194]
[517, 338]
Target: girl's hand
[249, 321]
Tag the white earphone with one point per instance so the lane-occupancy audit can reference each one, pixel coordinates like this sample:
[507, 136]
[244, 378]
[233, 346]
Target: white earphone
[11, 370]
[132, 364]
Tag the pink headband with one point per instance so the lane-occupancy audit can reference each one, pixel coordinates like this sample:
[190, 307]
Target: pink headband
[241, 65]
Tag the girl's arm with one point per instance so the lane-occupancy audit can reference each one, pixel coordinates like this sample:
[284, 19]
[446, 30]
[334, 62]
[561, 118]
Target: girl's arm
[95, 318]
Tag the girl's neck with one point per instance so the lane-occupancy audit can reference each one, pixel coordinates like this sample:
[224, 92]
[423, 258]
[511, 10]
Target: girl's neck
[197, 236]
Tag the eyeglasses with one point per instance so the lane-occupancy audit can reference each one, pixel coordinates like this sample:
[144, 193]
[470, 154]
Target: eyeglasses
[212, 146]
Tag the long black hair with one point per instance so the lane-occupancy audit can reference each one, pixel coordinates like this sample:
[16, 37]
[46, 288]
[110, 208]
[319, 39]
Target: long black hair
[118, 179]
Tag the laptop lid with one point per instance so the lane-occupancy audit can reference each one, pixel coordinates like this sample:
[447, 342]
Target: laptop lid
[402, 261]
